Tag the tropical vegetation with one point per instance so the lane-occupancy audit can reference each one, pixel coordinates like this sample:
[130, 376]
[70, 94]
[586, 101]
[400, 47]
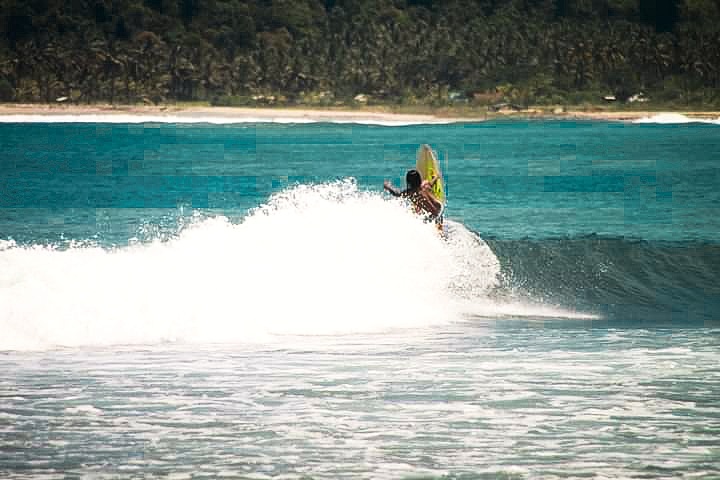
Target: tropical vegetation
[247, 52]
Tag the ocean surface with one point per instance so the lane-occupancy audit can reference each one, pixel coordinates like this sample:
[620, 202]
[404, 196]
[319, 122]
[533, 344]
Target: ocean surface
[205, 299]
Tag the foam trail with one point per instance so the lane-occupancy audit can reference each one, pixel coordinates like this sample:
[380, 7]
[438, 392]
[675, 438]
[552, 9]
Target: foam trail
[523, 309]
[675, 118]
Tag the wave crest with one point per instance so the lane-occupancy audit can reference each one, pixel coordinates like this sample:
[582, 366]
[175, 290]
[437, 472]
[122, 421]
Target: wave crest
[315, 259]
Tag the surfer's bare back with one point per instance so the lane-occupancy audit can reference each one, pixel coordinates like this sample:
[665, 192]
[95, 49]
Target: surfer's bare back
[418, 192]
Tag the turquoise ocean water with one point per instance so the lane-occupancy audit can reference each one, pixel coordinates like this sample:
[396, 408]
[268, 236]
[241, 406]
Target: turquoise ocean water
[196, 300]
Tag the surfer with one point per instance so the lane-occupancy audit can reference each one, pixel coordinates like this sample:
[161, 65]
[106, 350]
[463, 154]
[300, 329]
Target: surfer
[420, 195]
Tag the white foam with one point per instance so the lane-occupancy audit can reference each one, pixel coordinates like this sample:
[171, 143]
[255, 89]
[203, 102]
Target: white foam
[675, 118]
[316, 259]
[119, 118]
[515, 308]
[88, 410]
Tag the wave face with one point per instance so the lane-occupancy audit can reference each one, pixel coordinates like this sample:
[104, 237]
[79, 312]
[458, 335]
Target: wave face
[315, 259]
[617, 278]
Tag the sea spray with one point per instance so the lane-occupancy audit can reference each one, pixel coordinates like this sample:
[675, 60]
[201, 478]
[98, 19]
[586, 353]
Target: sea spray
[314, 259]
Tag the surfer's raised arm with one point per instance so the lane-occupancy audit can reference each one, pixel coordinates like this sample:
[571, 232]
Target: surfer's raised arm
[391, 188]
[418, 192]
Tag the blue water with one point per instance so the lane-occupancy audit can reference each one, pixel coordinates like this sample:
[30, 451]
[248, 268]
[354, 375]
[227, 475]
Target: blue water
[202, 300]
[508, 180]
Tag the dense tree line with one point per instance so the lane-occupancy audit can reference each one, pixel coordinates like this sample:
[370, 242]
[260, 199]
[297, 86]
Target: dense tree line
[424, 51]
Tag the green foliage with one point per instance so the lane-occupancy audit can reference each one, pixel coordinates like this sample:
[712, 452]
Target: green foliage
[406, 52]
[233, 101]
[7, 93]
[16, 22]
[297, 16]
[623, 8]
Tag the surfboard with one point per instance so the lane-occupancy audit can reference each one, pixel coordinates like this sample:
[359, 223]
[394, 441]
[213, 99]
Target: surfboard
[427, 164]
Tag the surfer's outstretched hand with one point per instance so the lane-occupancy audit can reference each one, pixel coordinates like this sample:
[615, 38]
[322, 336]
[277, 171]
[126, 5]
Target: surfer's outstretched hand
[390, 188]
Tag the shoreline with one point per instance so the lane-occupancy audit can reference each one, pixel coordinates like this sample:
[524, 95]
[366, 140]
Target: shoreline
[334, 114]
[240, 114]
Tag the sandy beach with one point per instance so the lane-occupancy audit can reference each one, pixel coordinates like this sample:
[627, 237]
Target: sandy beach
[190, 112]
[364, 115]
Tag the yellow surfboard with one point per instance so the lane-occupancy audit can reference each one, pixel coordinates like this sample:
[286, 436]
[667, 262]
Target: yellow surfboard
[427, 164]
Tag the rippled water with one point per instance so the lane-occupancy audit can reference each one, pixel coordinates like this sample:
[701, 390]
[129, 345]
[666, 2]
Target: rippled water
[208, 301]
[483, 399]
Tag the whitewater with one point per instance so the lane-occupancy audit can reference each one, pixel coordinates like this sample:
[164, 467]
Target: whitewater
[241, 300]
[315, 259]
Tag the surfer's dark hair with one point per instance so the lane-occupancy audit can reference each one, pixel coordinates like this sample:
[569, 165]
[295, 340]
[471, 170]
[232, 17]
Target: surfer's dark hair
[413, 179]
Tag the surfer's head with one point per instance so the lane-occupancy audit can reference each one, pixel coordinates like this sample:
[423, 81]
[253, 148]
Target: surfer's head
[413, 179]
